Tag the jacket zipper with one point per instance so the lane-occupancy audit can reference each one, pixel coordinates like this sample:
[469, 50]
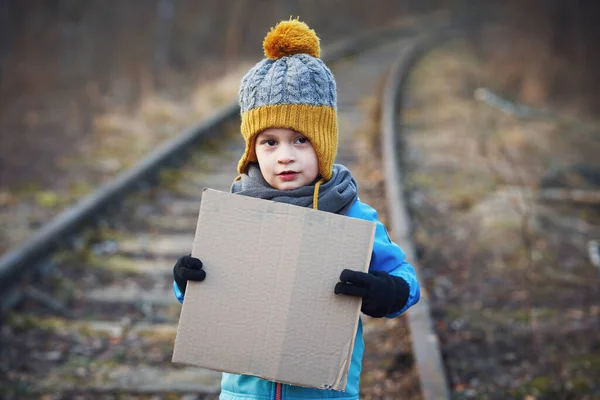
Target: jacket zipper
[278, 391]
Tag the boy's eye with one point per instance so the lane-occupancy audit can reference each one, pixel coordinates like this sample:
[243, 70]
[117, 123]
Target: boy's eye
[302, 140]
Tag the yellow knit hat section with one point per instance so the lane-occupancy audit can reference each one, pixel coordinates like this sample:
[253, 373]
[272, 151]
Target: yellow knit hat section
[317, 123]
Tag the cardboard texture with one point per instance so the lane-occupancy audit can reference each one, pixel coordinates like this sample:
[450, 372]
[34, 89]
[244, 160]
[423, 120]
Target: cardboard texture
[267, 307]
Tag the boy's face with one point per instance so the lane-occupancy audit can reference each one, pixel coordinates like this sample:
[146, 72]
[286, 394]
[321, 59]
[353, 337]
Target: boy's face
[286, 158]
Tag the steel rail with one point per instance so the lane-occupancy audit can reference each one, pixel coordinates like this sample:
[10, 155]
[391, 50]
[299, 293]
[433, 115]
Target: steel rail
[426, 349]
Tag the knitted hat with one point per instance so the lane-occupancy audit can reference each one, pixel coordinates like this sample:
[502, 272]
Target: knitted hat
[291, 88]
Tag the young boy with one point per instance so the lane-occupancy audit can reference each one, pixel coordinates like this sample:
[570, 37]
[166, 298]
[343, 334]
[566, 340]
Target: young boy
[289, 123]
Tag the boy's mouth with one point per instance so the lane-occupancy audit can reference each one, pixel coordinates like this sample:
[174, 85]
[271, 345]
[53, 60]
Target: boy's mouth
[288, 175]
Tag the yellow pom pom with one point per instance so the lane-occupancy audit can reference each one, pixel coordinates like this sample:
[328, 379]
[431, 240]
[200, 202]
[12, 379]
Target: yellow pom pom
[291, 37]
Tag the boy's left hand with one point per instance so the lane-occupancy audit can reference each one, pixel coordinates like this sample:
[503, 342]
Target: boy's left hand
[381, 292]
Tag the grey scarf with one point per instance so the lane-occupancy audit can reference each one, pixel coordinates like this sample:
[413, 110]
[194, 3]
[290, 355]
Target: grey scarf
[335, 195]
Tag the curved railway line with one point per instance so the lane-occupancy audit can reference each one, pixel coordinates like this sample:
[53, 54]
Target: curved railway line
[88, 308]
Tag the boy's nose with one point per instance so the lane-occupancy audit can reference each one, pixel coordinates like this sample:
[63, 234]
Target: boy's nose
[285, 156]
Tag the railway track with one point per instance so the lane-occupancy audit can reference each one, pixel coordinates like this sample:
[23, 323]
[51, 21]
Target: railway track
[88, 307]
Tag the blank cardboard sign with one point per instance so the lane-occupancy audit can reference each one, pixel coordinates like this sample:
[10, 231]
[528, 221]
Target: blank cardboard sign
[267, 307]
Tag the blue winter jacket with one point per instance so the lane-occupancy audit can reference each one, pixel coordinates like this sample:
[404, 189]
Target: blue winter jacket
[388, 257]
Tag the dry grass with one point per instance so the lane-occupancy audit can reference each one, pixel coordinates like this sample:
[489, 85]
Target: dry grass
[120, 138]
[502, 271]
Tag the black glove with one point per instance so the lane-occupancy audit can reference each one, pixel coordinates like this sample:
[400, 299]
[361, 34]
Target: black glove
[382, 293]
[187, 268]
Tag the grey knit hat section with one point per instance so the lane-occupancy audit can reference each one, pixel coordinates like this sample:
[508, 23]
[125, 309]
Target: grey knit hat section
[297, 79]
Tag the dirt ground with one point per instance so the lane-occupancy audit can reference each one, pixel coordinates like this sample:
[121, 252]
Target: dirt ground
[504, 235]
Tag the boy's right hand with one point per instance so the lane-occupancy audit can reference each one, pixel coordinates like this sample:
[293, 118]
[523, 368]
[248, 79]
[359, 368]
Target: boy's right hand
[187, 268]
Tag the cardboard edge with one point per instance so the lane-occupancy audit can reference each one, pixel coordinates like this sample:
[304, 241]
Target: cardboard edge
[176, 354]
[341, 380]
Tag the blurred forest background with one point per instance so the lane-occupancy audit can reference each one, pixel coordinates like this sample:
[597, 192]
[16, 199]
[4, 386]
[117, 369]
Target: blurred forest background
[64, 63]
[89, 87]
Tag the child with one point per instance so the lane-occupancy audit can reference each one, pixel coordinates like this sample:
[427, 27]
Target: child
[289, 123]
